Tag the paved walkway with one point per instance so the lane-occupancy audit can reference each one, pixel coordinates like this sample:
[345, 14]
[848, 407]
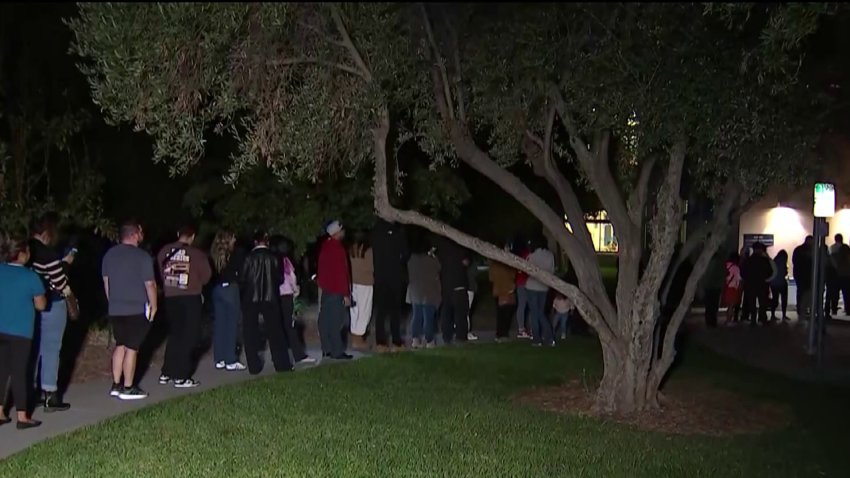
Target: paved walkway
[780, 348]
[91, 403]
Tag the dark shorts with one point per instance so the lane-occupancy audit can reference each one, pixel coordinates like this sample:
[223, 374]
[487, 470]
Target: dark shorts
[130, 330]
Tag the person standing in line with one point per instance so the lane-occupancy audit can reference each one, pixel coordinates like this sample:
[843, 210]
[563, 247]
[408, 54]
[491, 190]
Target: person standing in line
[335, 284]
[841, 261]
[522, 298]
[390, 255]
[454, 281]
[563, 310]
[756, 273]
[541, 328]
[50, 328]
[732, 286]
[740, 311]
[227, 261]
[259, 284]
[503, 278]
[289, 291]
[185, 271]
[779, 286]
[801, 262]
[423, 270]
[22, 294]
[362, 289]
[130, 287]
[471, 291]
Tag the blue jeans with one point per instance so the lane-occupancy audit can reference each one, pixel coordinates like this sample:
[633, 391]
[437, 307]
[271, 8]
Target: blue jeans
[226, 310]
[333, 316]
[541, 329]
[423, 321]
[521, 305]
[562, 321]
[51, 331]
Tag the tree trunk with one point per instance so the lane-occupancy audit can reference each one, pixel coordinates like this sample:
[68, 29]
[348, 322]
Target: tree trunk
[626, 385]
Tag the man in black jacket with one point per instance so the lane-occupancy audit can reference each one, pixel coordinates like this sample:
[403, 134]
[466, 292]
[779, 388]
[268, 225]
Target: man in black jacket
[756, 274]
[260, 286]
[454, 263]
[801, 261]
[390, 254]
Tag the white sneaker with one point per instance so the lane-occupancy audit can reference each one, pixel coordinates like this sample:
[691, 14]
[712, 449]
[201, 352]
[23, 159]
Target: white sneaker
[307, 359]
[220, 365]
[471, 337]
[235, 367]
[164, 379]
[188, 383]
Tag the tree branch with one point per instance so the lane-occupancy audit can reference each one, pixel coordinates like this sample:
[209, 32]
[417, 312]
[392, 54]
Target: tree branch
[441, 64]
[385, 210]
[637, 200]
[348, 44]
[566, 193]
[586, 267]
[726, 214]
[595, 164]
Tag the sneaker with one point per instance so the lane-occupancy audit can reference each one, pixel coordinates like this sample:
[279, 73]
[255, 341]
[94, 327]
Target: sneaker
[471, 337]
[164, 379]
[431, 345]
[415, 343]
[220, 365]
[133, 393]
[523, 335]
[235, 367]
[343, 356]
[563, 336]
[116, 390]
[307, 359]
[537, 344]
[188, 383]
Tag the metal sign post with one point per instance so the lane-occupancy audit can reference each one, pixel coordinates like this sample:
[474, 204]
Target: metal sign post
[824, 208]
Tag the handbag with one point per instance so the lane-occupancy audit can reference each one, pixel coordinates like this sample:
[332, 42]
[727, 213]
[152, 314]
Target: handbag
[73, 307]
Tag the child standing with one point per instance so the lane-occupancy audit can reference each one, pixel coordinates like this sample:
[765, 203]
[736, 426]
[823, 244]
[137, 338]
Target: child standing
[563, 311]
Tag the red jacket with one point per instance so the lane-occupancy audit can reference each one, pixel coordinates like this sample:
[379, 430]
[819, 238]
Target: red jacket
[522, 277]
[333, 268]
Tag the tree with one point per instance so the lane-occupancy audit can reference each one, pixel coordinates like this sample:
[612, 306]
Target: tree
[633, 96]
[44, 161]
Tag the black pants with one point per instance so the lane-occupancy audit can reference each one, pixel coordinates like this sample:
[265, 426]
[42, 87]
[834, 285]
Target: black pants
[780, 297]
[504, 317]
[753, 293]
[455, 310]
[184, 335]
[833, 288]
[287, 307]
[14, 364]
[712, 304]
[388, 305]
[273, 326]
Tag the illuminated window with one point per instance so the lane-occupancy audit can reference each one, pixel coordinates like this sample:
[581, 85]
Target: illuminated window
[601, 232]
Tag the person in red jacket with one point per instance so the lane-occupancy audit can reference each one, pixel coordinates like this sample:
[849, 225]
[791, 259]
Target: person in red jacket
[335, 283]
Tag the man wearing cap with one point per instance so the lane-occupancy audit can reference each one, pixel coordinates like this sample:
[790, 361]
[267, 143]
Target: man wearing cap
[335, 283]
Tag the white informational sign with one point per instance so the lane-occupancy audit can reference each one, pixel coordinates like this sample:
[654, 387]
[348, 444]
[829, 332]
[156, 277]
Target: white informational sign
[824, 200]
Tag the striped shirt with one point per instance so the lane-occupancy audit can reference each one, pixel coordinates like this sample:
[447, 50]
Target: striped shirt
[48, 264]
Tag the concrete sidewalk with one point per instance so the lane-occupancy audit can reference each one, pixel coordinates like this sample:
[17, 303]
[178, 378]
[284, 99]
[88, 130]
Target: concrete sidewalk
[91, 403]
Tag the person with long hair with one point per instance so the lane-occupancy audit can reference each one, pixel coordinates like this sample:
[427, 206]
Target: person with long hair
[227, 261]
[289, 291]
[779, 286]
[21, 295]
[732, 285]
[362, 281]
[51, 266]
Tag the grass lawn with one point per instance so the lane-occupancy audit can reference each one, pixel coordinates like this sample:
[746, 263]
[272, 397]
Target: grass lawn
[440, 413]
